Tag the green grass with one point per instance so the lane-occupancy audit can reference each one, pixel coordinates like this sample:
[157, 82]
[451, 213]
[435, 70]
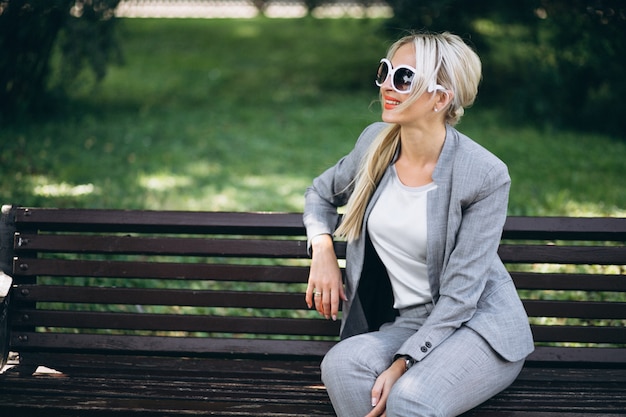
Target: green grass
[243, 114]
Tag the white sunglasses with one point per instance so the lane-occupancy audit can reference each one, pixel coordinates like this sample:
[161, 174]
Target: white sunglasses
[401, 77]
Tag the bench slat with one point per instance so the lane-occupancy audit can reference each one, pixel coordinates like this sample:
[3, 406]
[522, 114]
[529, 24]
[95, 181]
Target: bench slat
[284, 248]
[173, 322]
[146, 221]
[576, 309]
[581, 334]
[163, 270]
[565, 228]
[164, 345]
[555, 397]
[47, 403]
[579, 355]
[161, 246]
[569, 282]
[277, 361]
[160, 297]
[268, 300]
[258, 325]
[534, 254]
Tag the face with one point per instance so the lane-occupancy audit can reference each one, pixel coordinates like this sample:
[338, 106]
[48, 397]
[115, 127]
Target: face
[420, 109]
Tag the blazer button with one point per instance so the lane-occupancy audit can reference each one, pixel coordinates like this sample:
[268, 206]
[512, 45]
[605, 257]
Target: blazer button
[424, 349]
[428, 345]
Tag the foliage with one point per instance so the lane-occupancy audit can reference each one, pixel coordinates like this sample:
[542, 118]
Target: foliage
[554, 62]
[247, 122]
[30, 30]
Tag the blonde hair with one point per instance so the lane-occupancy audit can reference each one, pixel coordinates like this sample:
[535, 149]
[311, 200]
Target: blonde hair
[439, 58]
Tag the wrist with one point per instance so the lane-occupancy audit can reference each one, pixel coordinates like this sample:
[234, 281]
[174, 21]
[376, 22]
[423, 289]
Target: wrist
[406, 362]
[322, 242]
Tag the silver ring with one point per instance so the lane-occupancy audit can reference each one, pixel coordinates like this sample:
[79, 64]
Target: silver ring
[317, 293]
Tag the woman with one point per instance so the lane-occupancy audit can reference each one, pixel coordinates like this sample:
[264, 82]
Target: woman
[432, 324]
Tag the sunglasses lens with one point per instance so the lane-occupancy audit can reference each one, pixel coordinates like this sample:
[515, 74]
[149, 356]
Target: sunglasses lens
[403, 79]
[381, 74]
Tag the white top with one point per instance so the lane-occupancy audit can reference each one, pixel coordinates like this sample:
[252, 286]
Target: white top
[398, 229]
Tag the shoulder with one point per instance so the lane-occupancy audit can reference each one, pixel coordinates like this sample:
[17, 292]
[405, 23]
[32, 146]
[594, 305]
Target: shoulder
[370, 133]
[473, 156]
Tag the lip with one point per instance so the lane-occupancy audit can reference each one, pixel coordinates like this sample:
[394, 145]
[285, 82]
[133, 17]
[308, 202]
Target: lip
[390, 102]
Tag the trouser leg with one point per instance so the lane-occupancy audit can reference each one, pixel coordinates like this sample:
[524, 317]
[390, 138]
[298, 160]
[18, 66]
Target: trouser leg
[351, 367]
[463, 372]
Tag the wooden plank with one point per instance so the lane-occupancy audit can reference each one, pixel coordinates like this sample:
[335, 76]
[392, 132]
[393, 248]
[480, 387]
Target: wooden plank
[581, 334]
[158, 270]
[165, 345]
[576, 309]
[174, 322]
[582, 356]
[538, 392]
[286, 223]
[180, 222]
[131, 245]
[160, 297]
[296, 360]
[569, 282]
[66, 406]
[591, 255]
[565, 228]
[269, 300]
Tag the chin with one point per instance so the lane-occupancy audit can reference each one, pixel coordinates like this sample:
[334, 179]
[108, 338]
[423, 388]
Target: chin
[390, 118]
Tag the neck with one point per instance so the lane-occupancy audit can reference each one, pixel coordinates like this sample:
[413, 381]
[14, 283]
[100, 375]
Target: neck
[422, 146]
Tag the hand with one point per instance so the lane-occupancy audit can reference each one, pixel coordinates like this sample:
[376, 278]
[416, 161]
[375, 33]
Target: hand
[325, 287]
[382, 387]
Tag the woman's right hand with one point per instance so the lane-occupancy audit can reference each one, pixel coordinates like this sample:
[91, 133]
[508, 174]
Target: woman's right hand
[325, 287]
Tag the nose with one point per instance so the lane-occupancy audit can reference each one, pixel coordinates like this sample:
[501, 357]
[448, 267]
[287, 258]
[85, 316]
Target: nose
[386, 85]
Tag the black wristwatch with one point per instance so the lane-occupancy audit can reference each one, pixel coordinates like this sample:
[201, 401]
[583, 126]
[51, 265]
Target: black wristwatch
[408, 362]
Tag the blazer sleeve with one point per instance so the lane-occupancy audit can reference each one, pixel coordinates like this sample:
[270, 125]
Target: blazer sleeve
[474, 227]
[333, 188]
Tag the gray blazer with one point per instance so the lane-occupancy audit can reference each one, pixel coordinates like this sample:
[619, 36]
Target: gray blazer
[469, 284]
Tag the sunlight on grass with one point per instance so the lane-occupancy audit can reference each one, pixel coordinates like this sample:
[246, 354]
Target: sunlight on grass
[251, 193]
[45, 188]
[162, 182]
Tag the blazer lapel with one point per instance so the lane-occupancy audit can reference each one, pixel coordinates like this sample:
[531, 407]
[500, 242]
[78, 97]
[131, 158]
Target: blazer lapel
[438, 203]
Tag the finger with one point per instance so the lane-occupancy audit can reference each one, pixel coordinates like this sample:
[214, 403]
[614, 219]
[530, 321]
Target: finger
[377, 411]
[319, 301]
[326, 302]
[334, 304]
[308, 295]
[377, 392]
[342, 293]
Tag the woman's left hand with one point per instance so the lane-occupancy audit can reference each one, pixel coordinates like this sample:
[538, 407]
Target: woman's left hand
[382, 387]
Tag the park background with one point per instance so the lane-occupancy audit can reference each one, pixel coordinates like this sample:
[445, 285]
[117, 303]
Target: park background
[241, 113]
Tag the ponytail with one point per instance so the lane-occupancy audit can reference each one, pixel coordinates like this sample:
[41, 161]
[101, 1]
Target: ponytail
[380, 154]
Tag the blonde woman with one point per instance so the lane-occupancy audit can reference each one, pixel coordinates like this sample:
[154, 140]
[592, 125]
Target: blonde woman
[432, 324]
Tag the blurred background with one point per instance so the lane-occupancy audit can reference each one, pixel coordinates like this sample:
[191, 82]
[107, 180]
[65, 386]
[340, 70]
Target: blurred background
[238, 105]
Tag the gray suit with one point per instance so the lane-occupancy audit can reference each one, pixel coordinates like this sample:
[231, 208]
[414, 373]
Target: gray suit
[469, 284]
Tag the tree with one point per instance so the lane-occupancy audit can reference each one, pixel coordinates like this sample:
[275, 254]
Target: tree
[556, 61]
[30, 30]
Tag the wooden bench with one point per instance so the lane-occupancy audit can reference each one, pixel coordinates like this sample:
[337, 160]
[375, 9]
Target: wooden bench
[185, 313]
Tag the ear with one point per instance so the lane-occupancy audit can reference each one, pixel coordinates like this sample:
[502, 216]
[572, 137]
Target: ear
[444, 98]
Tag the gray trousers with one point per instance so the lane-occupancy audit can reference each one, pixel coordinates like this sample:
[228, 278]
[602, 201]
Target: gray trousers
[458, 375]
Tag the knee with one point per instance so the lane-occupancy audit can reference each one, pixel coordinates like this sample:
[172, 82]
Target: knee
[345, 360]
[328, 367]
[407, 399]
[335, 364]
